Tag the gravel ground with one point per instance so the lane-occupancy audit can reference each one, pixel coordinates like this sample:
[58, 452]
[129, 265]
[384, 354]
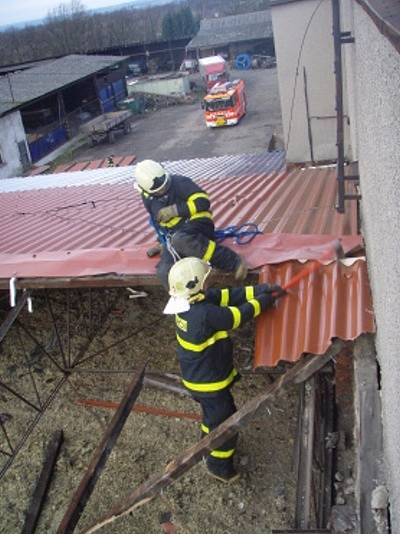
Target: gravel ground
[196, 504]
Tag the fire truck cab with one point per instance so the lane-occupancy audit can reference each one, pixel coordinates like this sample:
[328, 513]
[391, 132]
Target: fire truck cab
[225, 104]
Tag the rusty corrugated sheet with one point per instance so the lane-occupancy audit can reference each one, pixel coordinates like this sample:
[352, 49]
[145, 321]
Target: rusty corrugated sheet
[117, 161]
[332, 302]
[108, 214]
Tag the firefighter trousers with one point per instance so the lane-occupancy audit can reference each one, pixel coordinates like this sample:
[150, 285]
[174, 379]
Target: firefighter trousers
[190, 242]
[215, 410]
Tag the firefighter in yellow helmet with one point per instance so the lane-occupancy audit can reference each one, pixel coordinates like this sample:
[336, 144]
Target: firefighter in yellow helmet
[180, 212]
[203, 319]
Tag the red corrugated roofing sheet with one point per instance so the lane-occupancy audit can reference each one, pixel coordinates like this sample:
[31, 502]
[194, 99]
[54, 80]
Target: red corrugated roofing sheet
[332, 302]
[110, 217]
[118, 161]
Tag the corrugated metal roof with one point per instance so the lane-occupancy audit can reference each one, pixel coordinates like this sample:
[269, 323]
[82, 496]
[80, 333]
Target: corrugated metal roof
[93, 210]
[332, 302]
[48, 77]
[112, 161]
[232, 29]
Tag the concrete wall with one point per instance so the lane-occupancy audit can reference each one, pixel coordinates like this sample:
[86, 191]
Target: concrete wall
[377, 76]
[11, 133]
[161, 86]
[289, 24]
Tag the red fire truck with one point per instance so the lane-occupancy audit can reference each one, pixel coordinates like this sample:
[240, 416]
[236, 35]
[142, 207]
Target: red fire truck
[225, 104]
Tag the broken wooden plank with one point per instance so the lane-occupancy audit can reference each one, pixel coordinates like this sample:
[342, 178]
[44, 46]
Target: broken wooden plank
[100, 456]
[368, 431]
[190, 457]
[43, 483]
[315, 363]
[141, 408]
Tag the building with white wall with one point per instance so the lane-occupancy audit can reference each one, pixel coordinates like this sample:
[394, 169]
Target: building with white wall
[14, 152]
[371, 92]
[304, 52]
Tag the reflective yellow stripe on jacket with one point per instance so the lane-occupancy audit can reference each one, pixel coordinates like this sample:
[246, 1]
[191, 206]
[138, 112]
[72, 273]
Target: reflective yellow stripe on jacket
[257, 307]
[210, 251]
[201, 215]
[199, 347]
[237, 316]
[191, 202]
[206, 387]
[249, 293]
[171, 223]
[224, 297]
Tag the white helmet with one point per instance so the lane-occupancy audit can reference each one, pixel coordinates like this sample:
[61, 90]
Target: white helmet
[186, 277]
[150, 176]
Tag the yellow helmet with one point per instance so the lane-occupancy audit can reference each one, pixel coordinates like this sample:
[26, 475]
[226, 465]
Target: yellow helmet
[150, 176]
[186, 277]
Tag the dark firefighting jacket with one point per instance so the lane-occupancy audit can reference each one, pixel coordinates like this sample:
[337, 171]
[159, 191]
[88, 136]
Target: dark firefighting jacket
[191, 201]
[204, 347]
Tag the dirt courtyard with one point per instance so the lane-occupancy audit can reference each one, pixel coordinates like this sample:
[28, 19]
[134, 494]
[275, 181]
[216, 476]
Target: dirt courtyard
[195, 504]
[179, 132]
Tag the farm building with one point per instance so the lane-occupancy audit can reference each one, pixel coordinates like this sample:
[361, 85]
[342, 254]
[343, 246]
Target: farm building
[42, 107]
[229, 36]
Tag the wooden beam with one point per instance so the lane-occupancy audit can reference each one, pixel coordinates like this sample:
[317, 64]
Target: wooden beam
[100, 456]
[43, 483]
[103, 281]
[370, 467]
[190, 457]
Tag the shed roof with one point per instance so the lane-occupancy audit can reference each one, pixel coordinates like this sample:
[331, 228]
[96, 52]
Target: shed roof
[91, 222]
[232, 29]
[22, 87]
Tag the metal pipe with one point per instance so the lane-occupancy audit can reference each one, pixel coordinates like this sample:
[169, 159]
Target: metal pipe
[337, 45]
[309, 130]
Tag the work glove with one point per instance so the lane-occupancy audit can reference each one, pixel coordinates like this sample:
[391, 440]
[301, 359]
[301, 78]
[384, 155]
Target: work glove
[273, 292]
[167, 213]
[154, 251]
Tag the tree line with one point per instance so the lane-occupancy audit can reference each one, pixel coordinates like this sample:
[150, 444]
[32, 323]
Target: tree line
[69, 28]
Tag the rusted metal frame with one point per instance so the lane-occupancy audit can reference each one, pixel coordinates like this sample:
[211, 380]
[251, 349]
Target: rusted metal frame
[190, 457]
[150, 379]
[100, 456]
[118, 342]
[12, 315]
[32, 425]
[19, 396]
[43, 483]
[90, 311]
[40, 346]
[3, 428]
[337, 46]
[35, 388]
[83, 312]
[309, 128]
[305, 464]
[60, 346]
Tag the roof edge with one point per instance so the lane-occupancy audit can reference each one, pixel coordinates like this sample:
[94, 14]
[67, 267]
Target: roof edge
[387, 29]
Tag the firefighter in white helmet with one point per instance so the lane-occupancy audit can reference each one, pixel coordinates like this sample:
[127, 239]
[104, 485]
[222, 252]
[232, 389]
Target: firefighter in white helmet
[205, 349]
[180, 212]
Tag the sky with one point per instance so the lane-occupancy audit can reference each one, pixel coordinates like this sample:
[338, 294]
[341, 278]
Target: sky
[15, 11]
